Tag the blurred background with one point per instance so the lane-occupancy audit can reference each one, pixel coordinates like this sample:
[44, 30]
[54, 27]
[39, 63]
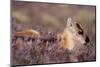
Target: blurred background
[52, 16]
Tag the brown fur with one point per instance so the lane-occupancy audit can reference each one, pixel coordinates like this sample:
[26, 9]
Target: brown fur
[72, 35]
[29, 32]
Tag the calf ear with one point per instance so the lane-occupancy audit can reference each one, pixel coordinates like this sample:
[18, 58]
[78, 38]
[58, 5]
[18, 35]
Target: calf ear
[80, 30]
[87, 39]
[69, 21]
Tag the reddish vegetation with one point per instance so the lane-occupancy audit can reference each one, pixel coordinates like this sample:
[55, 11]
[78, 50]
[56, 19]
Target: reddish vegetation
[33, 47]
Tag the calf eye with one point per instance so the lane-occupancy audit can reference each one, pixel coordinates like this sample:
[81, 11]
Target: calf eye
[80, 32]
